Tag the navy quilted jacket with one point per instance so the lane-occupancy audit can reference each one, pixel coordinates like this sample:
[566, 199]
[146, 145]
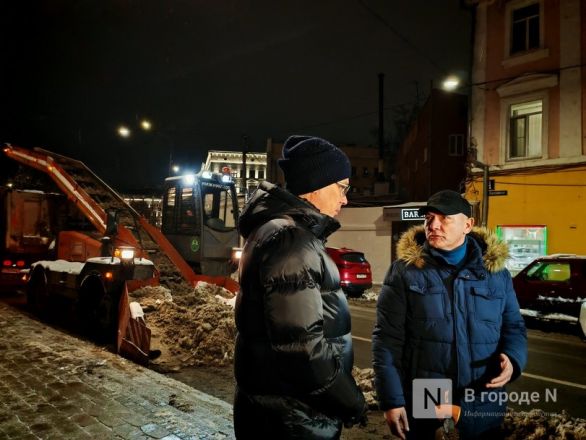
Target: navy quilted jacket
[434, 321]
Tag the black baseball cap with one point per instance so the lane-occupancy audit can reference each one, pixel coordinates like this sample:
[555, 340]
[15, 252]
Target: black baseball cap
[447, 202]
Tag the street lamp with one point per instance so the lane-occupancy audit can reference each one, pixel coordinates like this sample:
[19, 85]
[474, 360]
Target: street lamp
[147, 126]
[123, 131]
[451, 83]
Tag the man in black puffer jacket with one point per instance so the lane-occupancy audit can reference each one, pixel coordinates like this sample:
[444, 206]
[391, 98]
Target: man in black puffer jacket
[293, 357]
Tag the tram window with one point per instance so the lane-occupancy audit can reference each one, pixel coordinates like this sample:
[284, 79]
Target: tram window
[171, 197]
[188, 218]
[218, 209]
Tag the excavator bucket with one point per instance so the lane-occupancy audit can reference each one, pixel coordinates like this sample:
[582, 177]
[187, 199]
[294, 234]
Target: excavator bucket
[134, 337]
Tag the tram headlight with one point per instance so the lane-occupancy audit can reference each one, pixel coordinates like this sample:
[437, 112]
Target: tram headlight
[188, 179]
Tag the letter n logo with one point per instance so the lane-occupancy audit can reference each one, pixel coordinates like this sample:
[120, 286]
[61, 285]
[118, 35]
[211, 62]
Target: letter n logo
[428, 394]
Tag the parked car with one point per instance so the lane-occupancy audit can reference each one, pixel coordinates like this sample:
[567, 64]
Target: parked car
[355, 273]
[552, 287]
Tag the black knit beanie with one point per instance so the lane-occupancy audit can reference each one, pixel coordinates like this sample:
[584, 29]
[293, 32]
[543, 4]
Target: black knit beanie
[310, 163]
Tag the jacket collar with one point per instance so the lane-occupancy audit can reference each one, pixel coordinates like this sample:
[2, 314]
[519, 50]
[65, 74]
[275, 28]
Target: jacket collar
[484, 244]
[270, 201]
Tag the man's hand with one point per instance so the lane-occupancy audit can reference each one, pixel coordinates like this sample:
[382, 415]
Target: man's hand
[506, 372]
[397, 420]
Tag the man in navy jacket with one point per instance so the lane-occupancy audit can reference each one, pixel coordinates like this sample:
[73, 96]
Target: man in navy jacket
[447, 310]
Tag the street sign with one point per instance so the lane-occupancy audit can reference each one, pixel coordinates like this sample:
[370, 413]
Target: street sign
[503, 192]
[411, 214]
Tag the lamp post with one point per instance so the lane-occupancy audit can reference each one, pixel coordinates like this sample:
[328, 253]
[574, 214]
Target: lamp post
[472, 152]
[452, 83]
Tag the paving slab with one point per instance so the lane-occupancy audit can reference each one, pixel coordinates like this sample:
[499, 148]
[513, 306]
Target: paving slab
[57, 386]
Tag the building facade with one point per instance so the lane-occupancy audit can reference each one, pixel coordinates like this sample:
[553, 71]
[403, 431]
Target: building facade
[433, 155]
[527, 123]
[247, 169]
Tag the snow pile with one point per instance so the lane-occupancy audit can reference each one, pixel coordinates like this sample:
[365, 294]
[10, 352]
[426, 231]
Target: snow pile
[368, 297]
[71, 267]
[371, 295]
[537, 425]
[189, 325]
[560, 299]
[364, 377]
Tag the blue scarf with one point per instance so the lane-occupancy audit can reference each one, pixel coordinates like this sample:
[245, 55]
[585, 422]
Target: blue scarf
[455, 256]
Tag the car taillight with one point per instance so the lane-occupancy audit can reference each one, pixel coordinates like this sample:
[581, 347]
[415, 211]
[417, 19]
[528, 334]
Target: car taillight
[20, 263]
[6, 263]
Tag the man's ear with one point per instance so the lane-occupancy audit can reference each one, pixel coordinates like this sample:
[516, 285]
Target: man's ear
[470, 222]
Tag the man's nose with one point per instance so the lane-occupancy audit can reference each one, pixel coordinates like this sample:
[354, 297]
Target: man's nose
[344, 200]
[433, 223]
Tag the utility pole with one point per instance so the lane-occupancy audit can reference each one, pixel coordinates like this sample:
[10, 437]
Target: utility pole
[244, 151]
[381, 130]
[472, 152]
[471, 142]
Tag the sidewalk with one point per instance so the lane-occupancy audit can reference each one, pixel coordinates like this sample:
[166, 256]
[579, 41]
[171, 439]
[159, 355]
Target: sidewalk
[55, 386]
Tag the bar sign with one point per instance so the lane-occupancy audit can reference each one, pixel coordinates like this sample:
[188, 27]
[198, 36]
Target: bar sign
[410, 214]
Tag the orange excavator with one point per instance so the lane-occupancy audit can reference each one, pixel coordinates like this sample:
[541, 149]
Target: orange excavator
[66, 233]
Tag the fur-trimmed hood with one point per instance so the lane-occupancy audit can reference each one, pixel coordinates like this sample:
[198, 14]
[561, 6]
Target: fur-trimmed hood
[410, 248]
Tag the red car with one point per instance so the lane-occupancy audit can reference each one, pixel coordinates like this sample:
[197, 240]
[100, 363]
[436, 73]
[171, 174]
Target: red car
[355, 274]
[552, 287]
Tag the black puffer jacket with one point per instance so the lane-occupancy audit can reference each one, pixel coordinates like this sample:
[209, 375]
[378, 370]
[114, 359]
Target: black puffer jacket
[294, 353]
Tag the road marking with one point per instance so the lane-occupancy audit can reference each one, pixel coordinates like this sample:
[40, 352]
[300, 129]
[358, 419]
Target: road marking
[561, 355]
[361, 339]
[529, 375]
[550, 379]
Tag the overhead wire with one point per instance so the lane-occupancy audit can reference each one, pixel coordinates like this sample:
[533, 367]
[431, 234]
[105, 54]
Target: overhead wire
[402, 37]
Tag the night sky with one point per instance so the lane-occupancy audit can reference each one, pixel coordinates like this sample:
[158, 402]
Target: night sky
[208, 73]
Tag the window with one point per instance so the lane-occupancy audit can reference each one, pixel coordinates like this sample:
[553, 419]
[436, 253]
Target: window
[550, 271]
[261, 174]
[251, 173]
[171, 196]
[456, 145]
[187, 213]
[219, 208]
[525, 28]
[525, 122]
